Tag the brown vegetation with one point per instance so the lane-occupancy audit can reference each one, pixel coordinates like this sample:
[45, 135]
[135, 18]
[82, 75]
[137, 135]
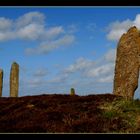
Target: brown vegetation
[104, 113]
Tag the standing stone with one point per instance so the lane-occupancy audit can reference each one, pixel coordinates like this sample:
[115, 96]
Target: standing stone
[1, 82]
[72, 91]
[14, 80]
[127, 64]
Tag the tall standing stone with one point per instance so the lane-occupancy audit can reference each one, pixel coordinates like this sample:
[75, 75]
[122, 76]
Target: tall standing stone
[1, 82]
[127, 64]
[14, 80]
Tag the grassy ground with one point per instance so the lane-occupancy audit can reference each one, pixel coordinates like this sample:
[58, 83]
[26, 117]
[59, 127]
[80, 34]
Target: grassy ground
[104, 113]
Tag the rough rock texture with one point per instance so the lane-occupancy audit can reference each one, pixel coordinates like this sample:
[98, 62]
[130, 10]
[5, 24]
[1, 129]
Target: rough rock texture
[1, 82]
[14, 80]
[127, 64]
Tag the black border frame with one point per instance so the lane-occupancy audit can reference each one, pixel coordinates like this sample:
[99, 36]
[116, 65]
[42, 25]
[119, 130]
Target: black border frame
[69, 3]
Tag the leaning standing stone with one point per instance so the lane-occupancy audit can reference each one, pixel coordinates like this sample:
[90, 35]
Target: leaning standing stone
[127, 64]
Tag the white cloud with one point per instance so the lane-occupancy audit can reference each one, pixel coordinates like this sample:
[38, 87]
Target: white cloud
[5, 23]
[80, 64]
[30, 18]
[29, 26]
[30, 32]
[47, 47]
[104, 72]
[85, 75]
[7, 35]
[100, 70]
[42, 72]
[53, 32]
[115, 34]
[110, 56]
[107, 79]
[32, 27]
[121, 25]
[88, 71]
[5, 29]
[117, 28]
[66, 74]
[136, 22]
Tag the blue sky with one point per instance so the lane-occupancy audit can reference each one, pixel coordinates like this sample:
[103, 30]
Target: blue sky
[62, 47]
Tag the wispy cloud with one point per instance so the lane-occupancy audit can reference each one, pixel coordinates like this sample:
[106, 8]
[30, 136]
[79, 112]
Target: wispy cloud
[5, 24]
[117, 28]
[110, 56]
[28, 18]
[100, 70]
[30, 32]
[104, 72]
[80, 64]
[89, 70]
[84, 74]
[107, 79]
[29, 26]
[42, 72]
[53, 32]
[46, 47]
[32, 27]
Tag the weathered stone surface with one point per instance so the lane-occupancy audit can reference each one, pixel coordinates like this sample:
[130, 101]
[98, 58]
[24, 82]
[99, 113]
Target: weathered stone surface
[14, 80]
[1, 82]
[127, 64]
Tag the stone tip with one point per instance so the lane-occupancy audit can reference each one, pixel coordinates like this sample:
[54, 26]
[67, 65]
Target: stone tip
[14, 63]
[132, 29]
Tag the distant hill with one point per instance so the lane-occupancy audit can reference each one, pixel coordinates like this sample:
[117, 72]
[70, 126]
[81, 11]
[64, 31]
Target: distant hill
[105, 113]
